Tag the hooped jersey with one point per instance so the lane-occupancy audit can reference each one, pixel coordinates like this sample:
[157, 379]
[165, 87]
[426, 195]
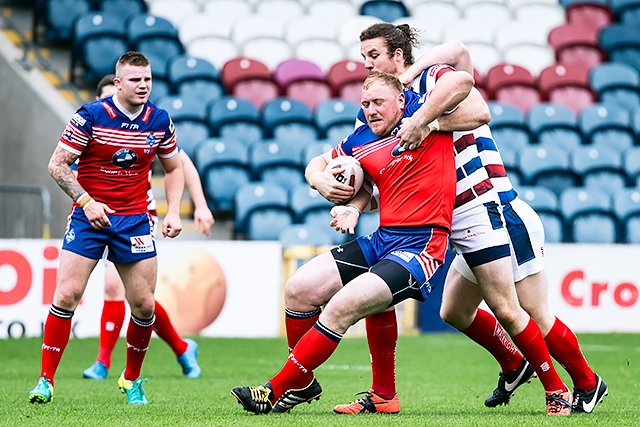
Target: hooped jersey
[116, 150]
[417, 187]
[479, 166]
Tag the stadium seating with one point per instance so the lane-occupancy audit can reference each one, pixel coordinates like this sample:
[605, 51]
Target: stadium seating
[548, 167]
[554, 124]
[312, 209]
[512, 84]
[223, 165]
[567, 85]
[524, 43]
[349, 34]
[509, 155]
[600, 167]
[608, 125]
[190, 76]
[229, 10]
[546, 15]
[174, 11]
[250, 79]
[493, 14]
[631, 165]
[305, 235]
[335, 118]
[626, 11]
[311, 150]
[288, 120]
[616, 83]
[260, 38]
[278, 162]
[99, 39]
[478, 38]
[622, 43]
[303, 81]
[236, 118]
[346, 77]
[545, 203]
[58, 17]
[217, 50]
[508, 126]
[589, 13]
[576, 44]
[626, 206]
[588, 215]
[367, 223]
[313, 38]
[156, 38]
[422, 17]
[125, 9]
[387, 10]
[189, 115]
[283, 11]
[336, 10]
[207, 25]
[635, 123]
[261, 211]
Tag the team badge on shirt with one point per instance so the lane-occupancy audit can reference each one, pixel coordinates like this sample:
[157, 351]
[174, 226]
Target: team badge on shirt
[151, 139]
[141, 244]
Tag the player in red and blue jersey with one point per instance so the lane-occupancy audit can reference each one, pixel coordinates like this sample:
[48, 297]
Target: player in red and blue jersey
[116, 140]
[396, 262]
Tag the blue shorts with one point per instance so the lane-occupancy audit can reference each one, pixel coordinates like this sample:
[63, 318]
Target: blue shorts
[418, 251]
[129, 239]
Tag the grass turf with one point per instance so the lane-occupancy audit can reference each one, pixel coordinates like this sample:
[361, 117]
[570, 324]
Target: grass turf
[443, 380]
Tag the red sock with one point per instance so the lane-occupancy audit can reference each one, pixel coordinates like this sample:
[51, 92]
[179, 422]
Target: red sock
[297, 324]
[313, 349]
[138, 337]
[563, 346]
[532, 345]
[382, 336]
[486, 331]
[57, 329]
[167, 332]
[110, 326]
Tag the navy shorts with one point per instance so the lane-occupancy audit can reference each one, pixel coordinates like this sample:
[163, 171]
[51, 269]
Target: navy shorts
[129, 239]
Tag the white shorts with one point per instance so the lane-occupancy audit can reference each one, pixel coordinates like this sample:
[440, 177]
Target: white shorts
[526, 235]
[479, 234]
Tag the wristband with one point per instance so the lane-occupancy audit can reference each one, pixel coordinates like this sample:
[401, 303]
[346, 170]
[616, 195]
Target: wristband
[82, 196]
[354, 210]
[84, 207]
[434, 126]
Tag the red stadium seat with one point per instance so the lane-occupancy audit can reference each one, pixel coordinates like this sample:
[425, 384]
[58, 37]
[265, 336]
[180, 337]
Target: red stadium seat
[514, 85]
[480, 84]
[589, 14]
[566, 85]
[576, 44]
[302, 80]
[249, 79]
[346, 77]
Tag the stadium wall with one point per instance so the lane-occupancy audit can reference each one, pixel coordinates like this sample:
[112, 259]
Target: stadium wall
[32, 117]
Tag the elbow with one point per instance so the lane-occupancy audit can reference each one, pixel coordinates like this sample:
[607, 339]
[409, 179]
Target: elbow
[484, 114]
[459, 49]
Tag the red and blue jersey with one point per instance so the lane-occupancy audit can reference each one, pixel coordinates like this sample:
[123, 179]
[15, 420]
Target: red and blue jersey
[116, 150]
[417, 187]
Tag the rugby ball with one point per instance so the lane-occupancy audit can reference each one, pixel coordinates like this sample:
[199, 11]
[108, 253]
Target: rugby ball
[353, 174]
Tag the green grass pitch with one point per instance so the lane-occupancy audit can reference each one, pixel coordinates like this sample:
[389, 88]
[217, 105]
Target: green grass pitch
[443, 380]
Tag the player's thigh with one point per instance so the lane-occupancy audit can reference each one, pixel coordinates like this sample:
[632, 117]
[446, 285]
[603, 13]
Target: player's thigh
[313, 284]
[460, 300]
[365, 295]
[139, 279]
[495, 280]
[113, 287]
[73, 275]
[533, 296]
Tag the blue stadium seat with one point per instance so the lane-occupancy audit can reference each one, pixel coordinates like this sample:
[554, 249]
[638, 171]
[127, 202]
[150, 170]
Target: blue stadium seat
[238, 118]
[626, 11]
[59, 17]
[157, 39]
[547, 166]
[588, 215]
[635, 123]
[508, 126]
[335, 118]
[181, 108]
[262, 210]
[600, 167]
[616, 83]
[626, 206]
[545, 203]
[305, 235]
[367, 223]
[190, 76]
[305, 200]
[288, 119]
[509, 157]
[387, 10]
[315, 149]
[631, 165]
[608, 125]
[125, 9]
[99, 39]
[554, 124]
[622, 43]
[159, 90]
[223, 166]
[278, 162]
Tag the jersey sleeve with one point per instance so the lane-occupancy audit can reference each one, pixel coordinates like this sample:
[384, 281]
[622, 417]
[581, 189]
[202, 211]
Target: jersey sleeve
[168, 146]
[78, 132]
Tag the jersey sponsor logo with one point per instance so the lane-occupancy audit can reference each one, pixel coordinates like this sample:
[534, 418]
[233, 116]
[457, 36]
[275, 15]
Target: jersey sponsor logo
[124, 158]
[397, 151]
[404, 255]
[147, 113]
[110, 111]
[70, 236]
[78, 119]
[141, 244]
[131, 126]
[151, 139]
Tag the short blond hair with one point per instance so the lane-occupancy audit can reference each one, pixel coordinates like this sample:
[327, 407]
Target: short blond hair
[132, 58]
[383, 78]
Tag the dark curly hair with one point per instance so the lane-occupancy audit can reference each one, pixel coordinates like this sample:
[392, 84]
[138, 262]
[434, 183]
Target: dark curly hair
[400, 36]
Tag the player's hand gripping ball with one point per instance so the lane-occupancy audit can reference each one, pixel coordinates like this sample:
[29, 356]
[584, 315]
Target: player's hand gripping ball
[353, 174]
